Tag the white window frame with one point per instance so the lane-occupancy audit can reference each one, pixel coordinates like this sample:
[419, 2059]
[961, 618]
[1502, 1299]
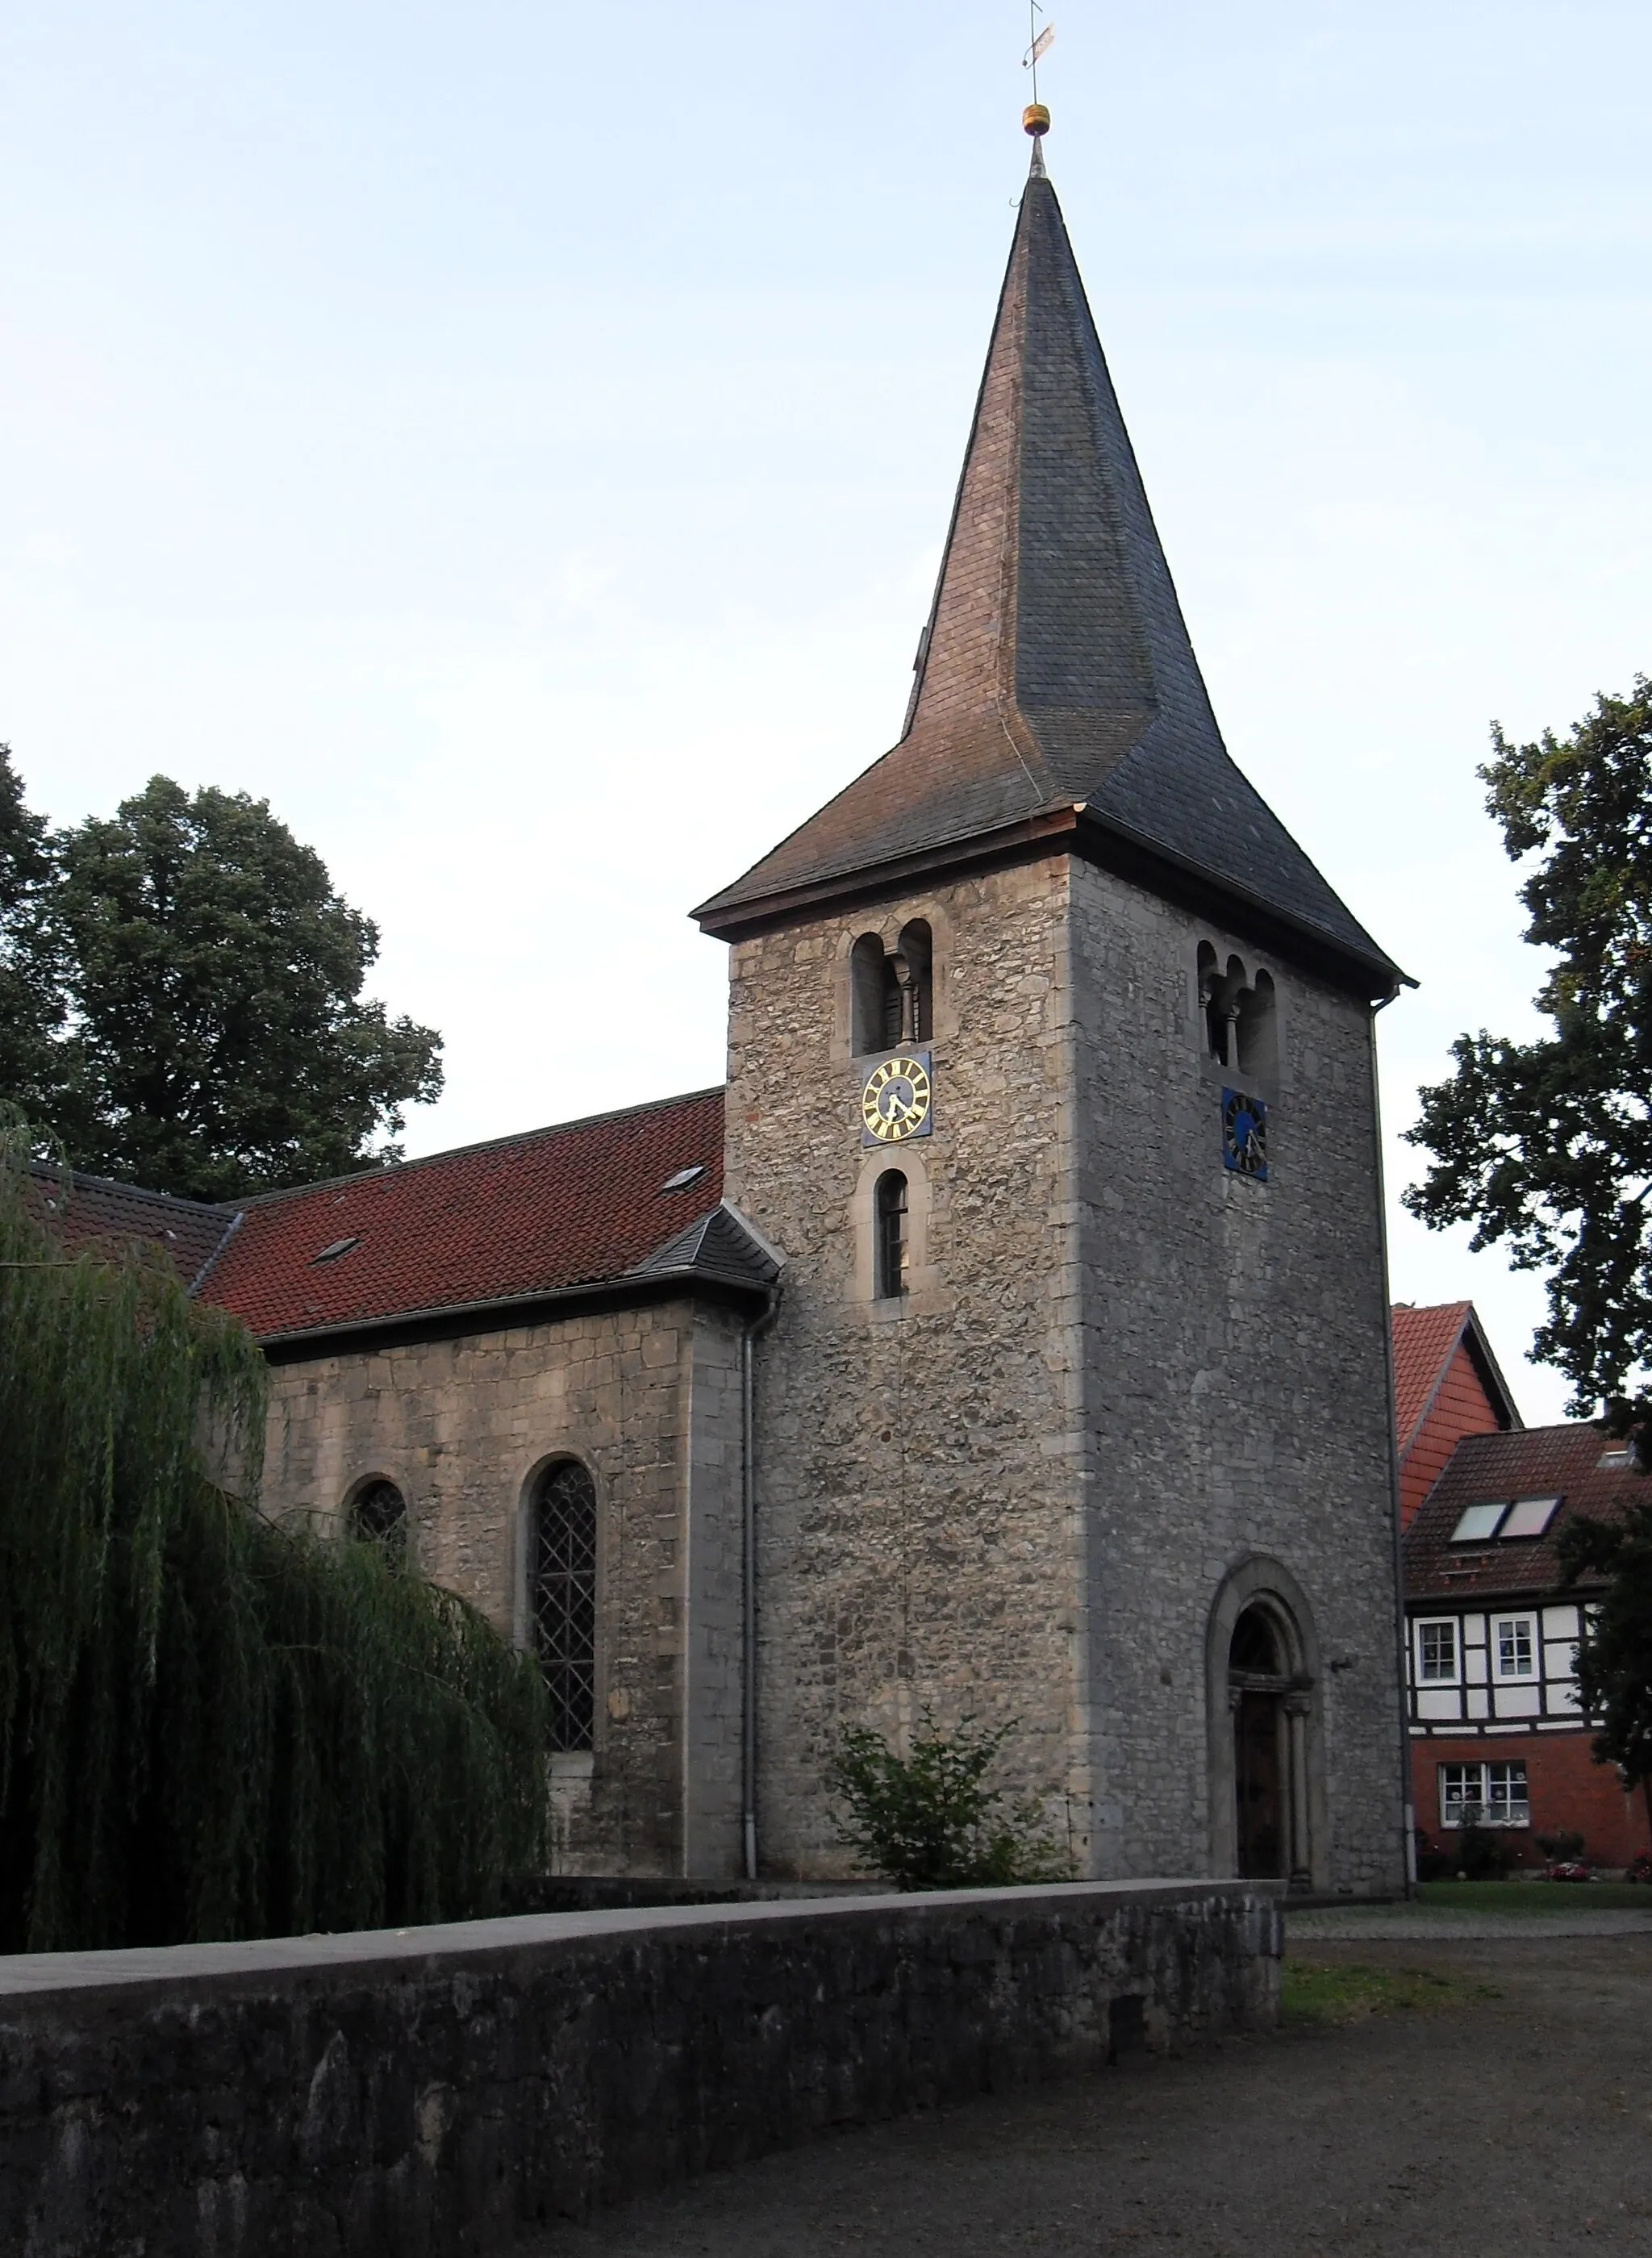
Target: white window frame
[1438, 1623]
[1484, 1803]
[1533, 1674]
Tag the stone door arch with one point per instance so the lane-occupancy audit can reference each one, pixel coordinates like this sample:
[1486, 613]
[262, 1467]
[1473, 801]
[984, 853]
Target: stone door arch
[1268, 1812]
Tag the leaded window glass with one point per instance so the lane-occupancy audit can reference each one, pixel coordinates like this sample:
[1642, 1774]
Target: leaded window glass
[563, 1597]
[379, 1515]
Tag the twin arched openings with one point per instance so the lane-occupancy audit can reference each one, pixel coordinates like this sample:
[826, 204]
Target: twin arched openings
[892, 992]
[1240, 1026]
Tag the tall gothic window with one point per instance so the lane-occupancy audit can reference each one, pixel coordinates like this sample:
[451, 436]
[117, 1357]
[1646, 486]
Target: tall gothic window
[562, 1596]
[889, 1212]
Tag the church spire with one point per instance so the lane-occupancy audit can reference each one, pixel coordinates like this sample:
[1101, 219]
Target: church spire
[1056, 691]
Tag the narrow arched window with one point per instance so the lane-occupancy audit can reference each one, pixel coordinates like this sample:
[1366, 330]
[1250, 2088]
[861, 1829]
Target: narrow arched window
[875, 997]
[378, 1516]
[1259, 1030]
[563, 1599]
[889, 1212]
[1210, 982]
[915, 963]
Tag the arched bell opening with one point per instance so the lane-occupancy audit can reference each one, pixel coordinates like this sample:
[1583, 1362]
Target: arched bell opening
[1268, 1812]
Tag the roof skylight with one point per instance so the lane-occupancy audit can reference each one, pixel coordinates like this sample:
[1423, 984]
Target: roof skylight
[1477, 1523]
[1529, 1516]
[339, 1246]
[683, 1178]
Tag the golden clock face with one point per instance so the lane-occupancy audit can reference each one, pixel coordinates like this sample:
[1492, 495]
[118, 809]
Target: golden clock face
[895, 1103]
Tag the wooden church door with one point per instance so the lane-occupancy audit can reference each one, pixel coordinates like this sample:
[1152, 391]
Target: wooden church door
[1260, 1786]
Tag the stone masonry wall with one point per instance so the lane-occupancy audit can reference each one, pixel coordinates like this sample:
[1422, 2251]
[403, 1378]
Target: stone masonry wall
[1122, 1372]
[1236, 1380]
[918, 1539]
[649, 1399]
[446, 2091]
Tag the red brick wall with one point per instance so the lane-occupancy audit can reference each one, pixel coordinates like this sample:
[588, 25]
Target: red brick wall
[1568, 1792]
[1461, 1408]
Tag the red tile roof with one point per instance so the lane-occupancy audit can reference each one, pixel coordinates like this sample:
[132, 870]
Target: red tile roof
[89, 1211]
[1562, 1462]
[1424, 1342]
[577, 1204]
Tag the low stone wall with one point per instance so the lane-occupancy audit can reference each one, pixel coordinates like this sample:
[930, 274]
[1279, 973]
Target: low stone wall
[433, 2091]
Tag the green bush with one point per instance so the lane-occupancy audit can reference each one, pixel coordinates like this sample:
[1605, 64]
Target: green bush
[1482, 1854]
[1562, 1849]
[928, 1820]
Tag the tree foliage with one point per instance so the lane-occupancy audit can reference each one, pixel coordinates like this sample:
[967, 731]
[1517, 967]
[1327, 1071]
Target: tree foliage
[1615, 1656]
[211, 1726]
[31, 1004]
[1545, 1147]
[929, 1820]
[219, 1043]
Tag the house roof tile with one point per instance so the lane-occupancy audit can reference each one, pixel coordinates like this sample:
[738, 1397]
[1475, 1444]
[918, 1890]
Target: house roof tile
[1563, 1461]
[1425, 1340]
[1424, 1343]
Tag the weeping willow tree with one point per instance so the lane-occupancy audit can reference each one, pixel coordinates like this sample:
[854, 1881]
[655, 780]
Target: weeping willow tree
[212, 1726]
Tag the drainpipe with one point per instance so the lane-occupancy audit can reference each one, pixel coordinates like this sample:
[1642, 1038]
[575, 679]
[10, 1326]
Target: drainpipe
[755, 1330]
[1407, 1808]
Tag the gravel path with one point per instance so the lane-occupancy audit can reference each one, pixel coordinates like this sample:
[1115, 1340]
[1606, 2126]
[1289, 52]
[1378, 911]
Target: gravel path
[1515, 2119]
[1399, 1923]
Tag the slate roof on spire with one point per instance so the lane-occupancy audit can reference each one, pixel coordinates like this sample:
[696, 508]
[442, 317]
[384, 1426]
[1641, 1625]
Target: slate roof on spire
[1057, 690]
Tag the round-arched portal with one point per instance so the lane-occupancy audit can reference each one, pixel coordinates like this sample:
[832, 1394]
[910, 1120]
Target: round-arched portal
[1268, 1814]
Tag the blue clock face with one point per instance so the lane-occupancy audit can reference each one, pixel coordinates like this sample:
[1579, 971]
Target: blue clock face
[1244, 1135]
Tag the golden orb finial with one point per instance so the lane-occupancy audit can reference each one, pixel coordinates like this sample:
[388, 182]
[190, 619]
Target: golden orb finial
[1036, 119]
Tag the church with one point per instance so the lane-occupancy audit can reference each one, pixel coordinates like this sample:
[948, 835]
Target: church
[1007, 1337]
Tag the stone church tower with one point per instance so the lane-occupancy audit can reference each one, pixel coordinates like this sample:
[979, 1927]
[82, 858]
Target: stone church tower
[1051, 1074]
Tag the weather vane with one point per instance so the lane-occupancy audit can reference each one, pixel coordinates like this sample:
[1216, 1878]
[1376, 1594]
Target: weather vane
[1035, 116]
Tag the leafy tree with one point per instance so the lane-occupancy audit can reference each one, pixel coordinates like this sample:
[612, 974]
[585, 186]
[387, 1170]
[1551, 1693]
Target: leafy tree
[211, 1726]
[929, 1820]
[30, 1005]
[219, 1044]
[1615, 1656]
[1545, 1147]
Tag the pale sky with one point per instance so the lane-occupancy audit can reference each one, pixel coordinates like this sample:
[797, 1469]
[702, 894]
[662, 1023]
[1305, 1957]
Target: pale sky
[517, 440]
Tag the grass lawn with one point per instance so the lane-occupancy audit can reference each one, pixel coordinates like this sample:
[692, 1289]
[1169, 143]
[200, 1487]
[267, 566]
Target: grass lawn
[1536, 1897]
[1312, 1993]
